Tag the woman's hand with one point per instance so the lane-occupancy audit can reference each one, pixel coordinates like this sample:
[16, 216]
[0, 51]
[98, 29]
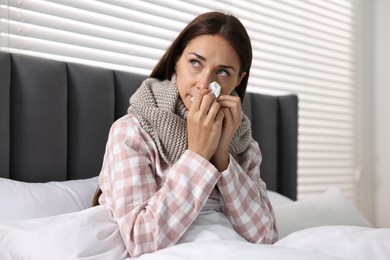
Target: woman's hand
[204, 124]
[231, 108]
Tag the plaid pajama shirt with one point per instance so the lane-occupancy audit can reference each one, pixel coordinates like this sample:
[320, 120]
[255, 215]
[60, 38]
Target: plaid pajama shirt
[155, 203]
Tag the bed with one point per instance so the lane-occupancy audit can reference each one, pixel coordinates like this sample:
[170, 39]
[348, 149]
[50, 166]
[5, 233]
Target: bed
[54, 121]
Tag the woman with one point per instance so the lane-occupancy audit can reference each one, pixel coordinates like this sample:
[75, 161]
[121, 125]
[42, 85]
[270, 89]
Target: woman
[180, 147]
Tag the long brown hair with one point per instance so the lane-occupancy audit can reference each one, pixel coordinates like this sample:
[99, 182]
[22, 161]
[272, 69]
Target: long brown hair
[226, 25]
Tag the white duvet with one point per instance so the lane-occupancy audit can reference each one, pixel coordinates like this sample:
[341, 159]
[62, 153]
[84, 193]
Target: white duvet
[93, 234]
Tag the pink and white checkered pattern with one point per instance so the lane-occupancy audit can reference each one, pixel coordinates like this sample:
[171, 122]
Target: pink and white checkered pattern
[154, 203]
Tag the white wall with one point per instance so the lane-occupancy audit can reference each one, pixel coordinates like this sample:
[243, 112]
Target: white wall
[382, 111]
[373, 63]
[366, 126]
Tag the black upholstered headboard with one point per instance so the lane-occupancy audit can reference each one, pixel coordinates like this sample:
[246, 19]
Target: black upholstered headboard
[55, 117]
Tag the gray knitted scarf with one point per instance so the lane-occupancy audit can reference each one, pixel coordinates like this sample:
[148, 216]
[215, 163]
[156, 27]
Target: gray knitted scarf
[162, 114]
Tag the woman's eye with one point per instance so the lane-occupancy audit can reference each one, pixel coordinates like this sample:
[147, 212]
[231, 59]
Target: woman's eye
[223, 73]
[195, 63]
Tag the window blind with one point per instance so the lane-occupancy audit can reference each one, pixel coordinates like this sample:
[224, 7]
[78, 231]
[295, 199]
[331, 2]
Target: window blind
[305, 47]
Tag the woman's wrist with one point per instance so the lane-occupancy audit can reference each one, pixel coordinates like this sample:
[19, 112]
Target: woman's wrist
[221, 161]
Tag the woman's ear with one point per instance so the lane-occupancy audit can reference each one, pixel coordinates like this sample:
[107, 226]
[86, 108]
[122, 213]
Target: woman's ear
[240, 78]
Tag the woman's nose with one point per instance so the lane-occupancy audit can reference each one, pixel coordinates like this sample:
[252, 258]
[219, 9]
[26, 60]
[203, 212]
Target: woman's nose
[204, 81]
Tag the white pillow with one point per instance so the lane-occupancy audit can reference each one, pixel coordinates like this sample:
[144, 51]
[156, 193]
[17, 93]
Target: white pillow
[91, 234]
[278, 199]
[329, 208]
[22, 200]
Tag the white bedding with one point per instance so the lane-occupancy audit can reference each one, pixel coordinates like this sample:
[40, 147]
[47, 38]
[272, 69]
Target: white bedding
[326, 227]
[326, 242]
[93, 234]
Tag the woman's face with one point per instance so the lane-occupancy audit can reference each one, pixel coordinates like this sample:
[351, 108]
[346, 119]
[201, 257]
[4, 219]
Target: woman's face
[207, 58]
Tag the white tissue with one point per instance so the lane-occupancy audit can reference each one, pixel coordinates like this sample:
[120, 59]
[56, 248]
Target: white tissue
[215, 89]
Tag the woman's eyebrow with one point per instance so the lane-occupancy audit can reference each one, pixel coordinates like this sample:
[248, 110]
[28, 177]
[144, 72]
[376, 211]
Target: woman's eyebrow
[198, 56]
[227, 67]
[204, 59]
